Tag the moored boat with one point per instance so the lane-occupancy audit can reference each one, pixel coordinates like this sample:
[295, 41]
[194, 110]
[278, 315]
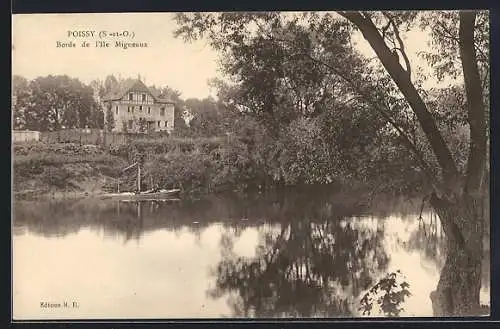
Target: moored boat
[146, 195]
[154, 194]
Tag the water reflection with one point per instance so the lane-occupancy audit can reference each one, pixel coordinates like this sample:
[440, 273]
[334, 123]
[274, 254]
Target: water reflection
[307, 269]
[275, 255]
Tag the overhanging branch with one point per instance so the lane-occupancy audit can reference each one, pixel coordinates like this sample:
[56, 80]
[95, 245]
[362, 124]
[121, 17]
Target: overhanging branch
[400, 42]
[400, 77]
[406, 140]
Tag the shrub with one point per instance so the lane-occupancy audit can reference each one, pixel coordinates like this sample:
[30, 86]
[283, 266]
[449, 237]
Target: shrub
[58, 177]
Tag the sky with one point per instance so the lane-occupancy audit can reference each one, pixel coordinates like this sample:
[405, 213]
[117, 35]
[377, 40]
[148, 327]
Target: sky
[165, 61]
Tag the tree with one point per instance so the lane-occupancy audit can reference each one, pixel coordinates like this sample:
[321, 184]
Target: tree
[98, 87]
[22, 94]
[142, 125]
[167, 93]
[110, 83]
[458, 199]
[287, 73]
[392, 94]
[96, 117]
[207, 117]
[54, 102]
[110, 119]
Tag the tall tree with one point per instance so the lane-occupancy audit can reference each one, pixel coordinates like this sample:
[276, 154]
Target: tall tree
[61, 101]
[457, 199]
[167, 92]
[394, 93]
[110, 119]
[110, 83]
[21, 97]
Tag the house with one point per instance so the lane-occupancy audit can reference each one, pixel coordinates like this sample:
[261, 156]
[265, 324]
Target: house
[136, 108]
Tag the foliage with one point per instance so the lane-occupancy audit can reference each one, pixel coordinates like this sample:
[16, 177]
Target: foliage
[444, 55]
[110, 119]
[22, 93]
[291, 77]
[204, 166]
[389, 295]
[125, 126]
[281, 68]
[31, 158]
[58, 177]
[285, 67]
[49, 103]
[45, 166]
[167, 93]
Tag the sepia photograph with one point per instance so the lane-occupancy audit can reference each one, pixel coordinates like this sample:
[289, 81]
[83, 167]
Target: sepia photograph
[250, 165]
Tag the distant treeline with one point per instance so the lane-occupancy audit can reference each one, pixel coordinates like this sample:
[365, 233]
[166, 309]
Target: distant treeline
[58, 102]
[53, 102]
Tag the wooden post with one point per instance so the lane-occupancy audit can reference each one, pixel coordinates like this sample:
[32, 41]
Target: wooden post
[138, 177]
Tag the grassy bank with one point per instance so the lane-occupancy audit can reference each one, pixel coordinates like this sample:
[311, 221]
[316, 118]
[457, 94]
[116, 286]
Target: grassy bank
[196, 165]
[62, 170]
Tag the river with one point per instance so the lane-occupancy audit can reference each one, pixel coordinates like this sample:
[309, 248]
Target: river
[309, 254]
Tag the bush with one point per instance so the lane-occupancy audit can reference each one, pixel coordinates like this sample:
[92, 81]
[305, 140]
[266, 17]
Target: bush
[207, 168]
[58, 177]
[187, 170]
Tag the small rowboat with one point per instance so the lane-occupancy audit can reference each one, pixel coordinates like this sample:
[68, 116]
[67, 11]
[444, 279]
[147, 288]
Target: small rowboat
[150, 195]
[143, 196]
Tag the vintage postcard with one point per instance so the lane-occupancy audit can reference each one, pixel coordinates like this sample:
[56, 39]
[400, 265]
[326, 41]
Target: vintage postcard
[250, 165]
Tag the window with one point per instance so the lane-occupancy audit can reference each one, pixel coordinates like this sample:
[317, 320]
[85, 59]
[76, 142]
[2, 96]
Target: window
[128, 109]
[162, 111]
[159, 123]
[130, 124]
[132, 107]
[130, 97]
[143, 97]
[116, 110]
[140, 108]
[149, 110]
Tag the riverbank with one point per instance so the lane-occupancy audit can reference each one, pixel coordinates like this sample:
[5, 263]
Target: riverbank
[67, 170]
[195, 165]
[62, 171]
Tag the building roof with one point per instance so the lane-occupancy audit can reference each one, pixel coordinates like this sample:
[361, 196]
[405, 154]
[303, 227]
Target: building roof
[134, 85]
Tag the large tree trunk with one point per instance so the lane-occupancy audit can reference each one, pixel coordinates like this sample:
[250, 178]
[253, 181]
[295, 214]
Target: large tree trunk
[458, 207]
[457, 293]
[460, 282]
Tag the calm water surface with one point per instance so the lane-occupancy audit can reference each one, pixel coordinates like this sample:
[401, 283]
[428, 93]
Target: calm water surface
[307, 255]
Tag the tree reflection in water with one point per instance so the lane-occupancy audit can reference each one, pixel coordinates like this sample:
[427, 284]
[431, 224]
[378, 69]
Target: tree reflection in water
[428, 239]
[315, 256]
[315, 266]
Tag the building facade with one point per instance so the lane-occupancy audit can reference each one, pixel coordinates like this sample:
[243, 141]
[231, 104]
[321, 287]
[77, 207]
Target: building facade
[136, 108]
[25, 136]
